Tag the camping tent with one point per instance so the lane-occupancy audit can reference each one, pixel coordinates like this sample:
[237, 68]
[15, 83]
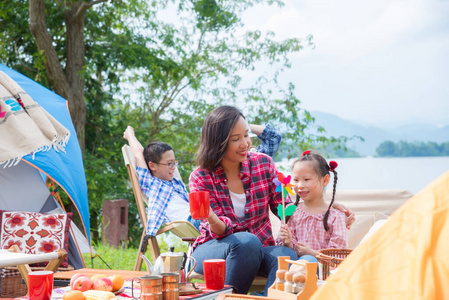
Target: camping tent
[23, 185]
[406, 258]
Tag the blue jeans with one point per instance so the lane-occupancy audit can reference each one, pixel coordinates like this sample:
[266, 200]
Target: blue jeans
[245, 258]
[194, 222]
[311, 258]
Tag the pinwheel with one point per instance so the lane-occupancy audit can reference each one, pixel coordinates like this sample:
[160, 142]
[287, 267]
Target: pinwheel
[283, 185]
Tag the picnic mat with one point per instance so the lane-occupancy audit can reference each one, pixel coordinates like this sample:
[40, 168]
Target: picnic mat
[126, 292]
[407, 258]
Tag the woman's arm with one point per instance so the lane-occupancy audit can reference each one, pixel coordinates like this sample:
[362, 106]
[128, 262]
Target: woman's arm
[220, 225]
[270, 137]
[216, 225]
[135, 146]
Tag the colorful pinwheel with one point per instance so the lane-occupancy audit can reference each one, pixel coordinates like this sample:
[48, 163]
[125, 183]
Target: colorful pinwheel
[283, 182]
[289, 210]
[283, 185]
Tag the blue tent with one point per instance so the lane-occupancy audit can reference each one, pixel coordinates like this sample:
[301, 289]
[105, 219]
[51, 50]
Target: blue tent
[65, 169]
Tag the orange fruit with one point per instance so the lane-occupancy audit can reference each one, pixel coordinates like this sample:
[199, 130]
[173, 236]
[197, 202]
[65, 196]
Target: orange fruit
[117, 282]
[73, 295]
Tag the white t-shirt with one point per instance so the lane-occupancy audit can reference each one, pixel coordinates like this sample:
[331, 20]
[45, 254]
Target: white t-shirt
[238, 201]
[177, 208]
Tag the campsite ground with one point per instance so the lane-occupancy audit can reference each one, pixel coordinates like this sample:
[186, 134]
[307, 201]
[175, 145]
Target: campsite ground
[123, 258]
[119, 259]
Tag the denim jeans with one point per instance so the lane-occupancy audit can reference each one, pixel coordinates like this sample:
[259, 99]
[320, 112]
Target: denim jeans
[245, 258]
[311, 258]
[194, 222]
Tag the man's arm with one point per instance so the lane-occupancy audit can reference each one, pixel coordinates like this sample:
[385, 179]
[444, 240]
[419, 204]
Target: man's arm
[270, 137]
[135, 146]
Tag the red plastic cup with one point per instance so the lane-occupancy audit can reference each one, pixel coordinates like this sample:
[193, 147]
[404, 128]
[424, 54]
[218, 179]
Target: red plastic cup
[40, 285]
[214, 273]
[199, 205]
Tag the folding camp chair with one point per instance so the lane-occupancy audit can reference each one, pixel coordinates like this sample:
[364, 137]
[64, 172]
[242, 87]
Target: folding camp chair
[14, 257]
[183, 229]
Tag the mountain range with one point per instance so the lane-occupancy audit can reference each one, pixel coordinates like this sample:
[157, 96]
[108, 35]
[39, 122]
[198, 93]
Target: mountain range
[374, 136]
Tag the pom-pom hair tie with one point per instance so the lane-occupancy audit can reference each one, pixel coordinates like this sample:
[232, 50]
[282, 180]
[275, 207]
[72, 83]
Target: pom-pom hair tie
[332, 165]
[306, 152]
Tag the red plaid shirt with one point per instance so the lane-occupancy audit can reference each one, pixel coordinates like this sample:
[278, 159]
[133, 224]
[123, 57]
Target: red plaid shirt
[257, 174]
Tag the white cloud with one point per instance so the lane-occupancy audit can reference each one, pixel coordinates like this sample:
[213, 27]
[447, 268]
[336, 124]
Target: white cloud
[383, 62]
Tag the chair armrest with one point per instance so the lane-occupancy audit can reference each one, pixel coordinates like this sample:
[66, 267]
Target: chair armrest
[188, 239]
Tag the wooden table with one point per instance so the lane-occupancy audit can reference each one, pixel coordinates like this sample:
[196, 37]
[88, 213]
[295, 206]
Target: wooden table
[63, 278]
[208, 294]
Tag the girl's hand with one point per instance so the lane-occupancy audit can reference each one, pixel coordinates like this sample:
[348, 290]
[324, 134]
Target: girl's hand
[304, 249]
[286, 235]
[350, 214]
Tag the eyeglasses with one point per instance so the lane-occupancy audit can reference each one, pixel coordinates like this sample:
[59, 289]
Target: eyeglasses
[170, 165]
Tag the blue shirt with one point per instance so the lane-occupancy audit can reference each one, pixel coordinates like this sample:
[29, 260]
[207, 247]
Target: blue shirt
[271, 139]
[158, 192]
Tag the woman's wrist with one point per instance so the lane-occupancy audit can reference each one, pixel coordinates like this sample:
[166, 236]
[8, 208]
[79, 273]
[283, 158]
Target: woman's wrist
[213, 222]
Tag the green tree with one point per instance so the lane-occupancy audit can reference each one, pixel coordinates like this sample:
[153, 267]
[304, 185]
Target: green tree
[128, 65]
[407, 149]
[386, 148]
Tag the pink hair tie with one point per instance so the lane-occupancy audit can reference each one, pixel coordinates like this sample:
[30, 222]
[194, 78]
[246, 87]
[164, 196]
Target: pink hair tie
[306, 152]
[332, 165]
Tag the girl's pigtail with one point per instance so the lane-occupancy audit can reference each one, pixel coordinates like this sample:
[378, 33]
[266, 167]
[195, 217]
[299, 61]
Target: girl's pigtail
[326, 215]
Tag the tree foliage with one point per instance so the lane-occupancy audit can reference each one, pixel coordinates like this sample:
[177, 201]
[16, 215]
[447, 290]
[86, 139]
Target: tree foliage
[162, 75]
[407, 149]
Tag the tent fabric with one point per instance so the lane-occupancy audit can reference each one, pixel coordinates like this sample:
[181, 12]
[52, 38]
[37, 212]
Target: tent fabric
[407, 258]
[25, 127]
[31, 179]
[65, 168]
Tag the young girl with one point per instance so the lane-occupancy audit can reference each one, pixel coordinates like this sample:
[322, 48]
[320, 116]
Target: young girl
[315, 224]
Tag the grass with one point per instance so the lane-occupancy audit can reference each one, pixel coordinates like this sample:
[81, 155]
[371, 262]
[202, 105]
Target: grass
[124, 258]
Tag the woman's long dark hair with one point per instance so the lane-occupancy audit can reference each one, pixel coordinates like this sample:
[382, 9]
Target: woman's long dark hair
[322, 169]
[215, 136]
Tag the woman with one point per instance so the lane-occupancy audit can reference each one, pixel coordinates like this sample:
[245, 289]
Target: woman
[241, 190]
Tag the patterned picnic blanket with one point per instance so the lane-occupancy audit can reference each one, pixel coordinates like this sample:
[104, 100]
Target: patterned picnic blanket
[25, 127]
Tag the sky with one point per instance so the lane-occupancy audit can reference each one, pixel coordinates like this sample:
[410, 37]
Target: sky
[377, 62]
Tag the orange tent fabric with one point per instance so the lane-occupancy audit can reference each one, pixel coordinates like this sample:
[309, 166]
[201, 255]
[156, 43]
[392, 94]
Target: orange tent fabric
[407, 258]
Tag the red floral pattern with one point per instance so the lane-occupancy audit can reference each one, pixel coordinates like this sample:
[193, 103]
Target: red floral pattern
[35, 232]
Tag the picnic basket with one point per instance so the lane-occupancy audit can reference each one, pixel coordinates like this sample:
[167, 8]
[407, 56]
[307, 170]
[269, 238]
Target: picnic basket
[330, 259]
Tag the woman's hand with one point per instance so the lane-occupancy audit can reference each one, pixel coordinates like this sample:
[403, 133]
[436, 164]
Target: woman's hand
[216, 225]
[350, 214]
[304, 249]
[286, 236]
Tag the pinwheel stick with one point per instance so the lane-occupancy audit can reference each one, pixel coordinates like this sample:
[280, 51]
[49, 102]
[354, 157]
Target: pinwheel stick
[283, 206]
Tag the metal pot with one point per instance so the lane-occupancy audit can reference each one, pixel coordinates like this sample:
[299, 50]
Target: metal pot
[170, 262]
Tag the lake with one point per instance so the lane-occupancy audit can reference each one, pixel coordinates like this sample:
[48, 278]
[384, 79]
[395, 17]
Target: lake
[372, 173]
